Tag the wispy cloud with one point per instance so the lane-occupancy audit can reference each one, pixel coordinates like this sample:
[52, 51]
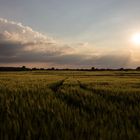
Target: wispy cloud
[21, 44]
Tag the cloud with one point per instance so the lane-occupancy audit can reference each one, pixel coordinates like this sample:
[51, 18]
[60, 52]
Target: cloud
[21, 44]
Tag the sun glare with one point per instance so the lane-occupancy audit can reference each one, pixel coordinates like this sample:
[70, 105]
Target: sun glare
[136, 39]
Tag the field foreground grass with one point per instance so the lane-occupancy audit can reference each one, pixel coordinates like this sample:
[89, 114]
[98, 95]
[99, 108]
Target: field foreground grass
[70, 105]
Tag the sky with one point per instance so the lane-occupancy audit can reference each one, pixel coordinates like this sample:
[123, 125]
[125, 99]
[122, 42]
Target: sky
[69, 33]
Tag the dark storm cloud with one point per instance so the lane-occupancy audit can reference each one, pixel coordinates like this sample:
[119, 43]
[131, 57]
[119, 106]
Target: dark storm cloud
[20, 44]
[9, 48]
[100, 61]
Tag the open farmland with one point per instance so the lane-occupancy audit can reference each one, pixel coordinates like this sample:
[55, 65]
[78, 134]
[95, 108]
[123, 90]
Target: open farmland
[70, 105]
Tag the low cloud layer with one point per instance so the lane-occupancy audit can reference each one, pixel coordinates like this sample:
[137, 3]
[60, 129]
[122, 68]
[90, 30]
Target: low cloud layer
[21, 44]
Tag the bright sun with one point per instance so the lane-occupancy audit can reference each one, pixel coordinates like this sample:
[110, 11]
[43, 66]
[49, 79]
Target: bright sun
[136, 39]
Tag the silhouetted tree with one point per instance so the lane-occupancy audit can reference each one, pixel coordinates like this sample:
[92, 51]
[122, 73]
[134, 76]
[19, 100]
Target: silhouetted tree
[52, 68]
[23, 68]
[138, 68]
[93, 68]
[34, 68]
[121, 69]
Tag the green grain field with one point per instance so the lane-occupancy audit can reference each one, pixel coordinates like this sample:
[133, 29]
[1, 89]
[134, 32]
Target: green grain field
[70, 105]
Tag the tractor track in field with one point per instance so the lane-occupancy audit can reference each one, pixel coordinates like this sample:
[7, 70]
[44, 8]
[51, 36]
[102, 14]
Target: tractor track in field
[111, 97]
[71, 99]
[57, 85]
[83, 86]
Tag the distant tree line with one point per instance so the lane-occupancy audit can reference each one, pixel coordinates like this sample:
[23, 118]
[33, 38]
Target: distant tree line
[24, 68]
